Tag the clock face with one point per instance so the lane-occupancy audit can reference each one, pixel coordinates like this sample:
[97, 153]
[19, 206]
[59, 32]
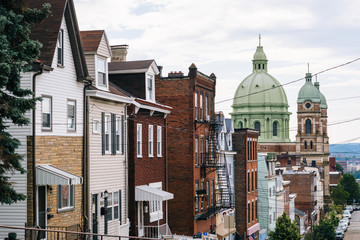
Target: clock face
[307, 105]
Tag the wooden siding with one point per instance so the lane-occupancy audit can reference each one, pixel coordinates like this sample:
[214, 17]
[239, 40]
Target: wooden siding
[62, 85]
[15, 214]
[90, 62]
[107, 172]
[104, 48]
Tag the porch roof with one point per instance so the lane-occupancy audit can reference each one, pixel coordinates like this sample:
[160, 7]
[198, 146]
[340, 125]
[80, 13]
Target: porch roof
[147, 193]
[47, 174]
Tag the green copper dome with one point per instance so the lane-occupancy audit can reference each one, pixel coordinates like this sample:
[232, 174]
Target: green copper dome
[323, 103]
[260, 102]
[309, 92]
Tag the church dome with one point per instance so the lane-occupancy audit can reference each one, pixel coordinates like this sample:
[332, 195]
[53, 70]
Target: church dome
[323, 103]
[309, 92]
[260, 102]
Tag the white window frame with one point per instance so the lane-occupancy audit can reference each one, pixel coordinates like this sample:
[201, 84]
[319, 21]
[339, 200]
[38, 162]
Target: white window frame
[60, 48]
[139, 140]
[99, 61]
[156, 207]
[71, 198]
[201, 107]
[96, 126]
[46, 111]
[107, 134]
[111, 206]
[196, 196]
[159, 141]
[196, 106]
[150, 87]
[202, 204]
[69, 119]
[207, 117]
[118, 133]
[151, 141]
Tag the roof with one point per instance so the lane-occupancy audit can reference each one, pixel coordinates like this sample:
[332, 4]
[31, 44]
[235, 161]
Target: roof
[147, 193]
[47, 174]
[308, 91]
[47, 32]
[130, 65]
[299, 212]
[91, 39]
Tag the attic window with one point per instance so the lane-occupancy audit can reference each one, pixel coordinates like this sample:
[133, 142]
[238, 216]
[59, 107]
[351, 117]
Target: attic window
[60, 48]
[150, 87]
[101, 76]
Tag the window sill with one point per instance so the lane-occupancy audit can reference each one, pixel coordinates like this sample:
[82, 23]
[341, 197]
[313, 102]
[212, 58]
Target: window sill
[139, 156]
[67, 209]
[46, 129]
[60, 66]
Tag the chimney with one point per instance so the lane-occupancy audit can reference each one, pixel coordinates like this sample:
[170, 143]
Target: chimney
[175, 74]
[160, 71]
[119, 53]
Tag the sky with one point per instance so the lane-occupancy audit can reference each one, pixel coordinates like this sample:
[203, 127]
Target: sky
[221, 37]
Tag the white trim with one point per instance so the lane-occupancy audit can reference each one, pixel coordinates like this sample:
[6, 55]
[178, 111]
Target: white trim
[106, 87]
[110, 96]
[107, 131]
[159, 141]
[47, 174]
[148, 193]
[142, 70]
[94, 123]
[151, 140]
[139, 140]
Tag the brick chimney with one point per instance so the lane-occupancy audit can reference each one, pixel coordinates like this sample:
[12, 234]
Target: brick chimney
[175, 74]
[119, 53]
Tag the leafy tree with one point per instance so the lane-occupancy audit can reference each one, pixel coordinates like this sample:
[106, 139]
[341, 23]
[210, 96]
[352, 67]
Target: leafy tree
[348, 182]
[339, 168]
[17, 52]
[339, 195]
[285, 229]
[333, 219]
[324, 231]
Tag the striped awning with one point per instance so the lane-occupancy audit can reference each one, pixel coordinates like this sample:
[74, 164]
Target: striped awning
[47, 174]
[147, 193]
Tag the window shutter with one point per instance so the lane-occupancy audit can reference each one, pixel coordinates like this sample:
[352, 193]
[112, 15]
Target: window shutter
[120, 206]
[103, 133]
[59, 196]
[122, 134]
[113, 134]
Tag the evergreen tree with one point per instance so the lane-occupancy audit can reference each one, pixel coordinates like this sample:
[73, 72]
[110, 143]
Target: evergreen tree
[324, 231]
[285, 229]
[17, 52]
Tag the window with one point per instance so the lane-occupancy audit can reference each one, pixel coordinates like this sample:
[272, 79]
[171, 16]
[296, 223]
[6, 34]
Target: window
[116, 206]
[311, 144]
[201, 108]
[270, 192]
[212, 191]
[308, 126]
[256, 181]
[196, 150]
[46, 108]
[313, 163]
[60, 48]
[156, 207]
[196, 196]
[101, 70]
[248, 181]
[107, 133]
[208, 193]
[202, 198]
[257, 127]
[196, 106]
[151, 140]
[71, 120]
[150, 87]
[118, 135]
[96, 126]
[275, 125]
[202, 150]
[241, 125]
[252, 182]
[207, 108]
[305, 144]
[159, 136]
[252, 211]
[256, 209]
[211, 107]
[139, 140]
[66, 196]
[248, 212]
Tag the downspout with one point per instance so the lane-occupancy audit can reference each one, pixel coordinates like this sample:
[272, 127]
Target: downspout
[86, 162]
[33, 146]
[166, 173]
[127, 166]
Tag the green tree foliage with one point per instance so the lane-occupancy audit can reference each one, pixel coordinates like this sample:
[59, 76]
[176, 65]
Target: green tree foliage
[285, 229]
[339, 195]
[16, 52]
[348, 182]
[339, 168]
[324, 231]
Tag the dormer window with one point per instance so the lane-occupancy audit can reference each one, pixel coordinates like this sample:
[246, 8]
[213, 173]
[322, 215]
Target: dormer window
[150, 87]
[60, 48]
[101, 73]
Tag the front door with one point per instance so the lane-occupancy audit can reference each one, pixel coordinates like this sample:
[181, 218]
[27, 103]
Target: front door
[141, 218]
[42, 210]
[95, 215]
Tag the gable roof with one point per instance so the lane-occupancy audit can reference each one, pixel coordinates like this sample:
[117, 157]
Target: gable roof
[91, 40]
[47, 33]
[133, 66]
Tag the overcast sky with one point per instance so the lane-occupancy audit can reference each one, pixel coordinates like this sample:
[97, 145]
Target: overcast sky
[221, 37]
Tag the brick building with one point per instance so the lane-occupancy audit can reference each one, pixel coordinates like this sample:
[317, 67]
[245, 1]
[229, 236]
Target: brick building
[147, 159]
[190, 145]
[246, 183]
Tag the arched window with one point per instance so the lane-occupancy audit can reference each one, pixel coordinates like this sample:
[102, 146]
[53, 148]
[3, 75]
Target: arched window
[275, 126]
[305, 144]
[259, 66]
[257, 127]
[311, 144]
[241, 125]
[308, 126]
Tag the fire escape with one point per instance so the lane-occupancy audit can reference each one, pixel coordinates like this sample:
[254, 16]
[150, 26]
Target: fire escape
[211, 161]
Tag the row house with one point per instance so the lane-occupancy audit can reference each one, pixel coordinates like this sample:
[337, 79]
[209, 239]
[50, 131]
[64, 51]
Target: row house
[146, 144]
[106, 130]
[246, 183]
[191, 154]
[53, 142]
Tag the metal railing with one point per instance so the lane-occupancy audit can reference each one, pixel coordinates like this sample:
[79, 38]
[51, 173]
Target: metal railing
[34, 234]
[157, 231]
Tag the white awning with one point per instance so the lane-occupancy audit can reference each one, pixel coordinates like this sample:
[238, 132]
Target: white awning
[47, 174]
[147, 193]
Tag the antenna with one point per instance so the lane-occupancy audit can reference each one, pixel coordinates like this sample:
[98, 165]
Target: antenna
[259, 39]
[308, 68]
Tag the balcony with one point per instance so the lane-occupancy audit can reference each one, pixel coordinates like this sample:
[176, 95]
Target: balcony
[157, 231]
